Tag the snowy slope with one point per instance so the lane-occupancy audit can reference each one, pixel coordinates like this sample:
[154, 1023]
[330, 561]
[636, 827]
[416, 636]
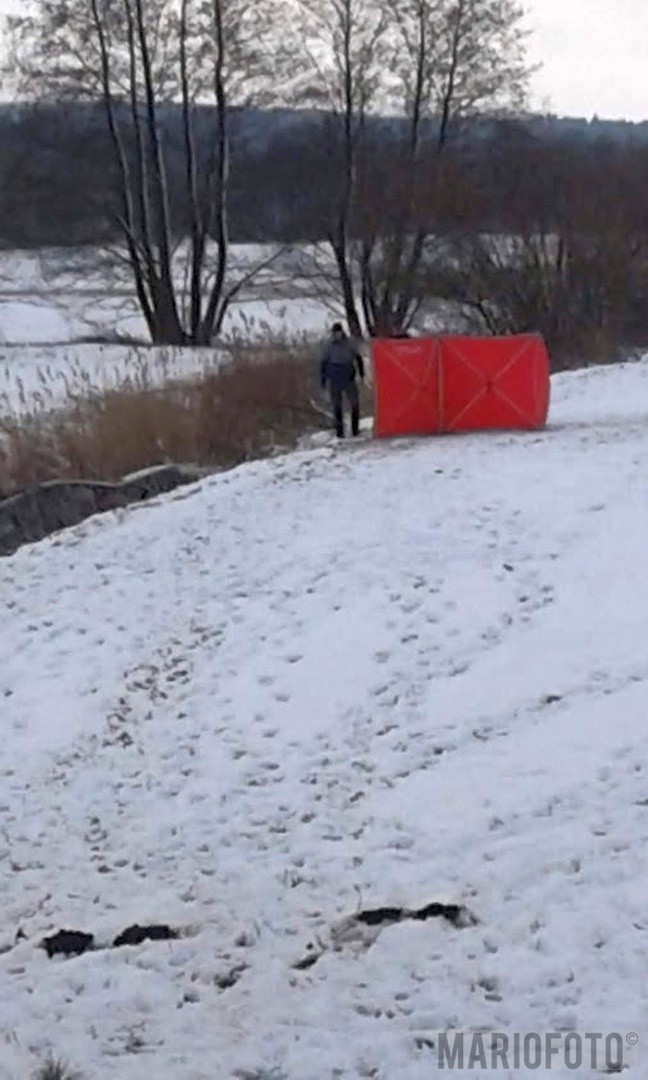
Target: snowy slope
[389, 674]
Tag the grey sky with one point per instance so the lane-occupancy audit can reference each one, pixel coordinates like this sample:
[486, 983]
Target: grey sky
[594, 55]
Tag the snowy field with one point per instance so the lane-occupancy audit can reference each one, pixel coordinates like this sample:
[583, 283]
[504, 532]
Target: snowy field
[54, 296]
[51, 300]
[385, 674]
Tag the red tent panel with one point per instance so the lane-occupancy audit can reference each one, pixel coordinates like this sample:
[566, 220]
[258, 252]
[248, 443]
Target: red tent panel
[494, 383]
[406, 381]
[445, 384]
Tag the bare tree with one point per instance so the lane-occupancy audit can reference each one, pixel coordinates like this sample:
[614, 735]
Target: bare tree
[433, 62]
[457, 58]
[140, 57]
[346, 43]
[562, 249]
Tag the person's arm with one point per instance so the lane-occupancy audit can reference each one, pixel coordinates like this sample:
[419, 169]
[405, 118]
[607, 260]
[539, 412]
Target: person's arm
[360, 365]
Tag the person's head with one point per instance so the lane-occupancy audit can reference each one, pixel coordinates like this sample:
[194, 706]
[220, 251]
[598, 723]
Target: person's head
[337, 331]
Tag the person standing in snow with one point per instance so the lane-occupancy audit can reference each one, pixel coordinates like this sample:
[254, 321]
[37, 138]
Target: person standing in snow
[339, 364]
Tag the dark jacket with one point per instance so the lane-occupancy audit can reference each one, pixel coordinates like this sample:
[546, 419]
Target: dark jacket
[340, 361]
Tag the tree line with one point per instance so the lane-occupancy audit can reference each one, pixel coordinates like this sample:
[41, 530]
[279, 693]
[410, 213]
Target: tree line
[409, 158]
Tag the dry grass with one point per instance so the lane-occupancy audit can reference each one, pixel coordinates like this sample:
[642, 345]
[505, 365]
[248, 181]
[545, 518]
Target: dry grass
[259, 402]
[52, 1069]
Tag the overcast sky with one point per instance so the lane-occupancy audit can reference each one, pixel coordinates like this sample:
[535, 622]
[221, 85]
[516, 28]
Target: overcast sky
[594, 55]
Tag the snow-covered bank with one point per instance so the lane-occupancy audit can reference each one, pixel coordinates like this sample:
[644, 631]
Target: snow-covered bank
[55, 296]
[389, 674]
[51, 300]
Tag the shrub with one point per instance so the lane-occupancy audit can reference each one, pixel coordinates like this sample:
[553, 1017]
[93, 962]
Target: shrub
[53, 1069]
[259, 402]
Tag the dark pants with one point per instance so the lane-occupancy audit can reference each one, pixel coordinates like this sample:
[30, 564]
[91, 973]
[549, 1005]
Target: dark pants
[338, 394]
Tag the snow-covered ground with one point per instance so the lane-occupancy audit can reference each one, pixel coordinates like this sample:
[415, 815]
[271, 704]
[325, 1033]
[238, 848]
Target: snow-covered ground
[56, 296]
[37, 320]
[385, 674]
[52, 300]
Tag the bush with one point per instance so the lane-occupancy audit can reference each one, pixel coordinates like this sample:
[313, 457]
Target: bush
[53, 1069]
[259, 402]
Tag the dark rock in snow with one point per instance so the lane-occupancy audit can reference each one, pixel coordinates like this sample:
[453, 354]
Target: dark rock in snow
[42, 509]
[68, 943]
[135, 935]
[379, 916]
[457, 915]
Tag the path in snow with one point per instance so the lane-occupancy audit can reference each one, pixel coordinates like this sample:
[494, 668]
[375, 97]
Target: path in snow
[388, 674]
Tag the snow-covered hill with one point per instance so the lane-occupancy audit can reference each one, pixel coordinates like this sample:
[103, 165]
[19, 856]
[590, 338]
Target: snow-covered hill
[380, 675]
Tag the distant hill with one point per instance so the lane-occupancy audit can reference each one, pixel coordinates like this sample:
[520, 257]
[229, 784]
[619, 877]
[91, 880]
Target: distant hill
[283, 176]
[258, 127]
